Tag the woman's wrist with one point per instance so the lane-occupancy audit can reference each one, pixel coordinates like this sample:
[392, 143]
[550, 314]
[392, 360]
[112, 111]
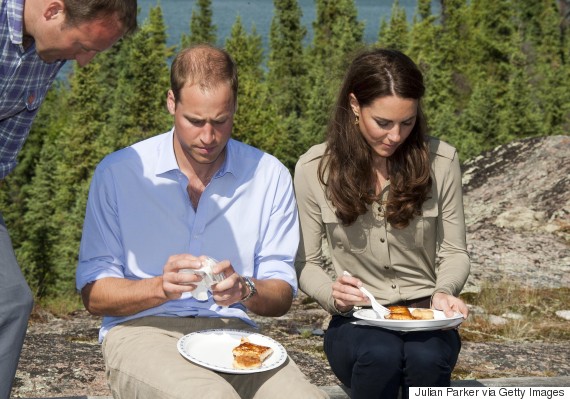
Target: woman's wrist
[343, 310]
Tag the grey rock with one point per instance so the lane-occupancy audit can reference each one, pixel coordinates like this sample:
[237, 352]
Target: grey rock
[513, 316]
[564, 314]
[497, 320]
[517, 212]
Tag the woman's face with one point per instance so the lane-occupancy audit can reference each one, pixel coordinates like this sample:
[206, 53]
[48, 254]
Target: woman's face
[386, 123]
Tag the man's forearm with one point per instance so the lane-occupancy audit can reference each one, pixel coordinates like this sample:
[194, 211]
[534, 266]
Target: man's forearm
[274, 298]
[122, 297]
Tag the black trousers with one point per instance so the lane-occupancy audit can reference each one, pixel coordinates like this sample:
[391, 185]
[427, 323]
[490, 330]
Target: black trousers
[375, 362]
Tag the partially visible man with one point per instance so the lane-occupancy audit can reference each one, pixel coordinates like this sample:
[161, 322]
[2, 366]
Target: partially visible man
[155, 209]
[36, 39]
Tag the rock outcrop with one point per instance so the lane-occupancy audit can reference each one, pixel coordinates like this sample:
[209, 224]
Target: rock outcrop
[517, 211]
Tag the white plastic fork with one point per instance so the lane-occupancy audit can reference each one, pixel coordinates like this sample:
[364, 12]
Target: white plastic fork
[381, 310]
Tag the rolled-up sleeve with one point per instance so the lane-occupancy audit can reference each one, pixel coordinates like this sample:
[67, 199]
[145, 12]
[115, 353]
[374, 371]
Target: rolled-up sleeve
[100, 254]
[278, 246]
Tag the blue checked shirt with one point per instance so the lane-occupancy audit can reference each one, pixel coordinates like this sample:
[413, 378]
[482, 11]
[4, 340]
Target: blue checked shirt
[24, 82]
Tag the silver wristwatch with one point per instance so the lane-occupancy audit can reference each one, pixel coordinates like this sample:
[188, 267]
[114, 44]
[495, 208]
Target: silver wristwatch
[251, 285]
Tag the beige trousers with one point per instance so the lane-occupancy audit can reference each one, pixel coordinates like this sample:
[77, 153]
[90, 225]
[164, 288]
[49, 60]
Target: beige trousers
[142, 361]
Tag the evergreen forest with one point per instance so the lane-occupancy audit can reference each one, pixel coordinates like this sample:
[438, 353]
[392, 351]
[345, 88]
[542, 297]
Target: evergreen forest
[495, 70]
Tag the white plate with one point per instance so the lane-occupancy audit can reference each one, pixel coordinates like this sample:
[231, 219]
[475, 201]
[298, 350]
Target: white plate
[213, 349]
[439, 321]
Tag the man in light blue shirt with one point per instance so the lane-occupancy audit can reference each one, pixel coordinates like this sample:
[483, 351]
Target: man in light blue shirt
[155, 210]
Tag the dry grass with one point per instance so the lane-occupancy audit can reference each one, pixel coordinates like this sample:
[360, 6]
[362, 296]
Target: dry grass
[63, 307]
[534, 313]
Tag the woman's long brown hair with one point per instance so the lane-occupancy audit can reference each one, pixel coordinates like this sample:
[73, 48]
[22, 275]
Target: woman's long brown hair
[346, 167]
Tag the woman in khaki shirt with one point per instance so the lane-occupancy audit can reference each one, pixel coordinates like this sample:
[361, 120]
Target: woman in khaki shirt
[386, 199]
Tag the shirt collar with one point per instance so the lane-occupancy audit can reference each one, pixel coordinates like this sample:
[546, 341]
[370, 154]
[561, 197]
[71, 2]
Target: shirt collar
[15, 21]
[230, 164]
[167, 159]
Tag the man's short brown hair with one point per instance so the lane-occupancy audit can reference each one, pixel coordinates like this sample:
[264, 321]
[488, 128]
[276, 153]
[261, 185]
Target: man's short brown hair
[81, 11]
[203, 65]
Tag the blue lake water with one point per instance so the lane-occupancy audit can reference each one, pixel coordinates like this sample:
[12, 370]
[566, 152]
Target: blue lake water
[259, 13]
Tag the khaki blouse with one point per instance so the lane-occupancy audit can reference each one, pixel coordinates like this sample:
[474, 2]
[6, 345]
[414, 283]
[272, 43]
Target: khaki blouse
[394, 264]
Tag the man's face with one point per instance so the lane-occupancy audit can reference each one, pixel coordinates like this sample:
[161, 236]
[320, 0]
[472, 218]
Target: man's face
[203, 121]
[57, 41]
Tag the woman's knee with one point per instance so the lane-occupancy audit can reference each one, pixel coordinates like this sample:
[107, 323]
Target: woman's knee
[381, 355]
[431, 362]
[438, 351]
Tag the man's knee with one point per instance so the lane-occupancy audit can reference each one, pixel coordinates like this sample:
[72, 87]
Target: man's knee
[23, 300]
[128, 386]
[17, 306]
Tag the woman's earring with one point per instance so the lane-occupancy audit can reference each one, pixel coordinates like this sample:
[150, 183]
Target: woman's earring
[356, 119]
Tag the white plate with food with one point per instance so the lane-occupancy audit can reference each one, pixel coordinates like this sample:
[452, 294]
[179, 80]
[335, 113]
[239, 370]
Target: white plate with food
[214, 349]
[439, 321]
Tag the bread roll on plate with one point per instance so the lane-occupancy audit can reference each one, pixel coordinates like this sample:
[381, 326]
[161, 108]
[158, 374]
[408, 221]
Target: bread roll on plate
[403, 313]
[422, 314]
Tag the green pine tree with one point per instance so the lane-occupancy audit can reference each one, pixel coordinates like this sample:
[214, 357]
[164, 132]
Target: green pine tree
[338, 35]
[442, 64]
[139, 109]
[479, 123]
[252, 117]
[286, 67]
[551, 67]
[491, 25]
[423, 33]
[286, 80]
[27, 193]
[520, 116]
[78, 151]
[202, 30]
[423, 9]
[395, 34]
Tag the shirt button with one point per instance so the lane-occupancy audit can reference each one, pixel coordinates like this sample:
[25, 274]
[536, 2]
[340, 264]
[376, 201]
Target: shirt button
[31, 98]
[382, 239]
[393, 286]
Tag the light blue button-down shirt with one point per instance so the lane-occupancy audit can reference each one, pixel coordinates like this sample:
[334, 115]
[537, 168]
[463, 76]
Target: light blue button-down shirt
[139, 213]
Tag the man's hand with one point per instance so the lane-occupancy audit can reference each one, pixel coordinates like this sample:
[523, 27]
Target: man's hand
[175, 282]
[232, 289]
[273, 298]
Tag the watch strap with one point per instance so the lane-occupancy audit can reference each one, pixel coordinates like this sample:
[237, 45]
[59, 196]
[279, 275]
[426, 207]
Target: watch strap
[251, 286]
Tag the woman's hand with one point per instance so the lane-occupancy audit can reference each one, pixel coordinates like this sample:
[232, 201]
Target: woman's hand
[449, 304]
[347, 294]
